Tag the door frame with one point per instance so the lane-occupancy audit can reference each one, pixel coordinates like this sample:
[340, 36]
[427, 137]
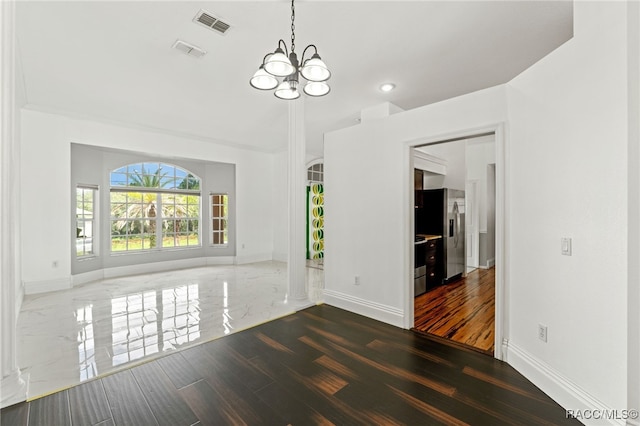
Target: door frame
[501, 228]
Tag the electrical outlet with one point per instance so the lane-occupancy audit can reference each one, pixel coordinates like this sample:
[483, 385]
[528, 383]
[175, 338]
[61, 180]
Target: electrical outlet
[542, 332]
[356, 280]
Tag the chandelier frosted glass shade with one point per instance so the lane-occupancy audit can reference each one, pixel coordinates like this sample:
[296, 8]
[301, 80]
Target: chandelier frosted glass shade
[263, 80]
[316, 88]
[314, 69]
[287, 90]
[278, 64]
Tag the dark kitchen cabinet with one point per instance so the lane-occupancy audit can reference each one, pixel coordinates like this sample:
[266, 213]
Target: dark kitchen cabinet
[433, 263]
[428, 263]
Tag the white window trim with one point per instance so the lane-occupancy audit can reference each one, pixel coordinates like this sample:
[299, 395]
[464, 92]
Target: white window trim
[211, 218]
[95, 243]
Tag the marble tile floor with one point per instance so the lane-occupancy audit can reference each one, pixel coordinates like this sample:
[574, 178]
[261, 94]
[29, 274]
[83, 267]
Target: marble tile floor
[68, 337]
[315, 263]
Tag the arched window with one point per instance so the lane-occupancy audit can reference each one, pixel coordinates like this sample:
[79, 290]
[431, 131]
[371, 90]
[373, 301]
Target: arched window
[154, 206]
[315, 172]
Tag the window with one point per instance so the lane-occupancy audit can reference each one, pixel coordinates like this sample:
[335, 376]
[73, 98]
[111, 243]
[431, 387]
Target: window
[180, 220]
[85, 220]
[315, 173]
[219, 219]
[154, 206]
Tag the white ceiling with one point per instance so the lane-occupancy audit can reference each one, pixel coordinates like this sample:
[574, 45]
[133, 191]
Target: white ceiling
[113, 60]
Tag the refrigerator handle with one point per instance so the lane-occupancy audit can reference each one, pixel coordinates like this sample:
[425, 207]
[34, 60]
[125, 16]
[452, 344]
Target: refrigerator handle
[454, 224]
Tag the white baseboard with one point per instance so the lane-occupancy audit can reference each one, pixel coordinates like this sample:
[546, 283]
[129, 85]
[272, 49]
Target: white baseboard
[253, 258]
[490, 264]
[87, 277]
[44, 286]
[34, 287]
[221, 260]
[149, 268]
[377, 311]
[562, 390]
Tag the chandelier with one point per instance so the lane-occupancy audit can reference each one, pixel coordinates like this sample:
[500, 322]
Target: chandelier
[284, 64]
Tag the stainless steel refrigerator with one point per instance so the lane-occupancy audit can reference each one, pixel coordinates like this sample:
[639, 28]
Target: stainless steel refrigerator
[442, 212]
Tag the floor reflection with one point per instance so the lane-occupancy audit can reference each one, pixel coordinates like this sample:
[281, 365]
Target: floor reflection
[226, 319]
[86, 350]
[67, 337]
[150, 322]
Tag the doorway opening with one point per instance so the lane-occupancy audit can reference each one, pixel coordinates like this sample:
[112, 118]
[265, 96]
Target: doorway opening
[315, 215]
[455, 241]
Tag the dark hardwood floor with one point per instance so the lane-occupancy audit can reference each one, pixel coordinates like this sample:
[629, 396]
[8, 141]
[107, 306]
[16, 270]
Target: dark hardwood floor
[462, 311]
[320, 366]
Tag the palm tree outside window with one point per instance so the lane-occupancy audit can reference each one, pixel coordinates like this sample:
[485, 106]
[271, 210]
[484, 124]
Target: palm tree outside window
[154, 206]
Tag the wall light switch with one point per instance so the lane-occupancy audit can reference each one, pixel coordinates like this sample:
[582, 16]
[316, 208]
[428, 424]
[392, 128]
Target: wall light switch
[565, 246]
[542, 332]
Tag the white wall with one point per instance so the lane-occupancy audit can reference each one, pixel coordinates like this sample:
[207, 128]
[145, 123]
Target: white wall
[480, 152]
[568, 168]
[45, 188]
[454, 153]
[566, 175]
[488, 240]
[633, 303]
[368, 220]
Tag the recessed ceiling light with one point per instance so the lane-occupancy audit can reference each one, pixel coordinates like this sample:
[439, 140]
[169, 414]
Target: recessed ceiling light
[387, 87]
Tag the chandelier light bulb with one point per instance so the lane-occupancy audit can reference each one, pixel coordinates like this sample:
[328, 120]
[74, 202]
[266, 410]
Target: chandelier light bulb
[316, 88]
[287, 90]
[315, 69]
[278, 64]
[263, 80]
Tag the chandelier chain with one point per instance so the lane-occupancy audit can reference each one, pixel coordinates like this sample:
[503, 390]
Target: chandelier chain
[293, 26]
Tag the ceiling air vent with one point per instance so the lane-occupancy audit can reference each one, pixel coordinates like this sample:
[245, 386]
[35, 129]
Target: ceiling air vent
[212, 22]
[189, 49]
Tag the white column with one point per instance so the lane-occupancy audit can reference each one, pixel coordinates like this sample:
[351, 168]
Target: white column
[296, 266]
[13, 386]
